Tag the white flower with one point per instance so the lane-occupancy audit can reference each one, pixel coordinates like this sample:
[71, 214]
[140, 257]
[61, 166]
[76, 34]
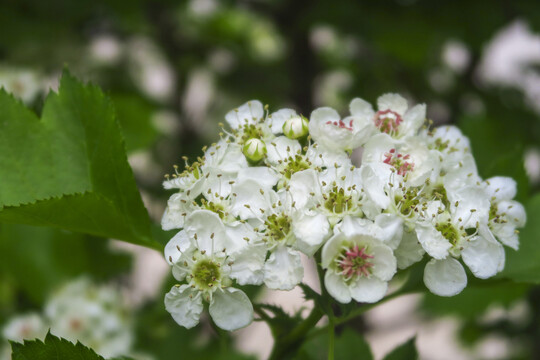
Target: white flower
[387, 166]
[287, 157]
[93, 315]
[458, 231]
[283, 230]
[334, 192]
[25, 327]
[204, 256]
[328, 129]
[450, 142]
[24, 84]
[248, 122]
[393, 118]
[358, 265]
[505, 214]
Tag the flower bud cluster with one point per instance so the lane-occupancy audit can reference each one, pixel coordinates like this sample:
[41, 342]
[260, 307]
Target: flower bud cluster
[277, 186]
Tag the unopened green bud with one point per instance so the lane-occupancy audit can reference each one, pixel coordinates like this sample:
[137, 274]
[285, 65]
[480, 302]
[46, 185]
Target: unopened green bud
[296, 127]
[254, 149]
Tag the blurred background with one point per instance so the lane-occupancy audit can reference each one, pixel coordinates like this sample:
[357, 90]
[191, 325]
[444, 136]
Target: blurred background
[174, 68]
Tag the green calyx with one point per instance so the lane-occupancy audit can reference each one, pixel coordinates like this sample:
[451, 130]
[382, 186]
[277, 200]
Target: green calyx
[254, 150]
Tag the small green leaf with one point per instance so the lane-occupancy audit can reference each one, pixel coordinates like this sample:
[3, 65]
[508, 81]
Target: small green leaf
[54, 348]
[405, 351]
[280, 322]
[69, 168]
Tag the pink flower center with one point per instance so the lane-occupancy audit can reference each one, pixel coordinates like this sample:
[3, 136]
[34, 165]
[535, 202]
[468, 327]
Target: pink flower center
[387, 121]
[354, 262]
[341, 124]
[399, 161]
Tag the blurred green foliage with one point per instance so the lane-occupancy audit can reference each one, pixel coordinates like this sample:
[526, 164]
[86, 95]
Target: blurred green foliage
[173, 68]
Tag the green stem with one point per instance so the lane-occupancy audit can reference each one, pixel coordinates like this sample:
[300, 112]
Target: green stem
[355, 313]
[331, 338]
[295, 338]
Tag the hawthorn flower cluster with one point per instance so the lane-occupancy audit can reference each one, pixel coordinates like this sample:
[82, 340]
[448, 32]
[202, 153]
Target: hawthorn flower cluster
[277, 185]
[79, 311]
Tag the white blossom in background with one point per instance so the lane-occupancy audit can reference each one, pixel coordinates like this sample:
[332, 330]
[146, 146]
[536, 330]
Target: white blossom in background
[80, 311]
[95, 316]
[277, 186]
[24, 84]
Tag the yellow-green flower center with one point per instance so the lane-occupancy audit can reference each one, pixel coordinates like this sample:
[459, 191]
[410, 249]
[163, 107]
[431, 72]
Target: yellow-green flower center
[206, 274]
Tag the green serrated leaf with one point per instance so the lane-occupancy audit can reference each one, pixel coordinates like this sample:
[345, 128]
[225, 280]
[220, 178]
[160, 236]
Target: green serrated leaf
[69, 168]
[524, 265]
[405, 351]
[280, 323]
[54, 348]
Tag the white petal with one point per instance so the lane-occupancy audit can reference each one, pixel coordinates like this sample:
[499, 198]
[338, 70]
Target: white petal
[248, 265]
[390, 229]
[336, 287]
[409, 250]
[329, 157]
[249, 200]
[445, 277]
[473, 205]
[283, 269]
[322, 116]
[515, 212]
[282, 148]
[352, 226]
[375, 181]
[394, 102]
[207, 227]
[265, 176]
[237, 232]
[414, 118]
[384, 261]
[175, 213]
[361, 108]
[368, 290]
[483, 255]
[176, 246]
[503, 188]
[231, 309]
[250, 113]
[278, 118]
[464, 173]
[331, 249]
[184, 309]
[310, 229]
[302, 185]
[432, 241]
